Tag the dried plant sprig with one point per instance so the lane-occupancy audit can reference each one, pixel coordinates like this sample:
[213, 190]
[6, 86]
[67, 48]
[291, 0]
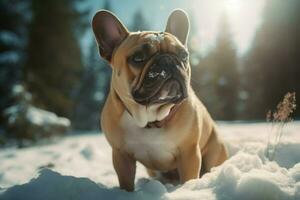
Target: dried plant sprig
[279, 118]
[269, 116]
[285, 108]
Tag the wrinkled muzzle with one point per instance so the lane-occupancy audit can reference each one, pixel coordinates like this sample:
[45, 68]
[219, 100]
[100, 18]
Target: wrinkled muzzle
[163, 82]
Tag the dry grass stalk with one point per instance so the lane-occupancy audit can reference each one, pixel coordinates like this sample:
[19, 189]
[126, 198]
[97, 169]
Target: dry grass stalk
[279, 118]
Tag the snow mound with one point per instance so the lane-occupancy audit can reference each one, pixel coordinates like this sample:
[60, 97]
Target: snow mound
[36, 116]
[55, 171]
[52, 185]
[24, 121]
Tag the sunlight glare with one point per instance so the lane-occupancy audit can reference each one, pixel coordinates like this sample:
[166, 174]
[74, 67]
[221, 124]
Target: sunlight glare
[232, 7]
[243, 17]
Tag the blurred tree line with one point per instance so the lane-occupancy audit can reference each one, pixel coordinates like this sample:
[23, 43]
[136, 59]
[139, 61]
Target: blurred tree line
[243, 88]
[13, 29]
[40, 52]
[40, 49]
[272, 66]
[216, 78]
[54, 66]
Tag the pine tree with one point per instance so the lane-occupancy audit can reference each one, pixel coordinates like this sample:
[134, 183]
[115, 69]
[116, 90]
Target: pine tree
[216, 77]
[54, 66]
[13, 21]
[93, 92]
[226, 72]
[94, 88]
[272, 65]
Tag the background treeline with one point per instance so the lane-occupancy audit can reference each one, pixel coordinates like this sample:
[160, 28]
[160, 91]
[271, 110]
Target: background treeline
[246, 87]
[41, 52]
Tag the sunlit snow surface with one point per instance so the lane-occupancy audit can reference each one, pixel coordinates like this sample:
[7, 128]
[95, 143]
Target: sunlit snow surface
[80, 167]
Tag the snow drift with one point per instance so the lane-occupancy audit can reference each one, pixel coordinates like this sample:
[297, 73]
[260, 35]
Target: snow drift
[79, 167]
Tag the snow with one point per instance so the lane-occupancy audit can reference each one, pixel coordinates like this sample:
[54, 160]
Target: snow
[156, 37]
[80, 167]
[9, 57]
[36, 116]
[9, 38]
[42, 117]
[23, 110]
[162, 74]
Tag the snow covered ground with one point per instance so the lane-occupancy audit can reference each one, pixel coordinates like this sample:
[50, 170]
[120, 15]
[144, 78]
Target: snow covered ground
[80, 167]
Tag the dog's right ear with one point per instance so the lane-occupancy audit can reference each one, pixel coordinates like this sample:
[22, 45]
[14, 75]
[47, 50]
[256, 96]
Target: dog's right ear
[109, 32]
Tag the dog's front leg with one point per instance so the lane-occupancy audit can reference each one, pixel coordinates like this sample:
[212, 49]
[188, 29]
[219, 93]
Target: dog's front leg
[189, 163]
[125, 167]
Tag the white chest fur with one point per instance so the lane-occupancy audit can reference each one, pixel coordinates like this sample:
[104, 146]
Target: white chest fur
[149, 146]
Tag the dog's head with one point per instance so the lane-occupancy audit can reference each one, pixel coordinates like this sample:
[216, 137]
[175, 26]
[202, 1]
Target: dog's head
[149, 68]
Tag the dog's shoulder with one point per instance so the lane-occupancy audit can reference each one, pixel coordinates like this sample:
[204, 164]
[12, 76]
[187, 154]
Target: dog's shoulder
[110, 117]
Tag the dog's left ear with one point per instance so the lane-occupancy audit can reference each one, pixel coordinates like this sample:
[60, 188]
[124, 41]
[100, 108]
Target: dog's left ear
[178, 24]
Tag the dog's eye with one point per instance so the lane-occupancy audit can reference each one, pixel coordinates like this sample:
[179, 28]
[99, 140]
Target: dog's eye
[184, 55]
[138, 57]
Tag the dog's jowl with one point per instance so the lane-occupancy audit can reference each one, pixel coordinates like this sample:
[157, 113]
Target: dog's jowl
[151, 114]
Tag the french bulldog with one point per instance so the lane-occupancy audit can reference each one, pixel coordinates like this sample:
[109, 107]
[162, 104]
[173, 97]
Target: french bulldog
[152, 114]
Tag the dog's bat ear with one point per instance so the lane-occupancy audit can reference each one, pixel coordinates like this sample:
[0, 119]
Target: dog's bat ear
[178, 24]
[109, 32]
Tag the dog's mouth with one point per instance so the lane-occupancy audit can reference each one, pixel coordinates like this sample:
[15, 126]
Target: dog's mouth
[168, 91]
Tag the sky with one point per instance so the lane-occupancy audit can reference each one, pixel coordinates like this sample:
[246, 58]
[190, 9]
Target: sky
[244, 16]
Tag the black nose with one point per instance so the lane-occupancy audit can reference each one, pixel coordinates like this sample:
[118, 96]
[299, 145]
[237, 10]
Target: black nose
[165, 60]
[161, 68]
